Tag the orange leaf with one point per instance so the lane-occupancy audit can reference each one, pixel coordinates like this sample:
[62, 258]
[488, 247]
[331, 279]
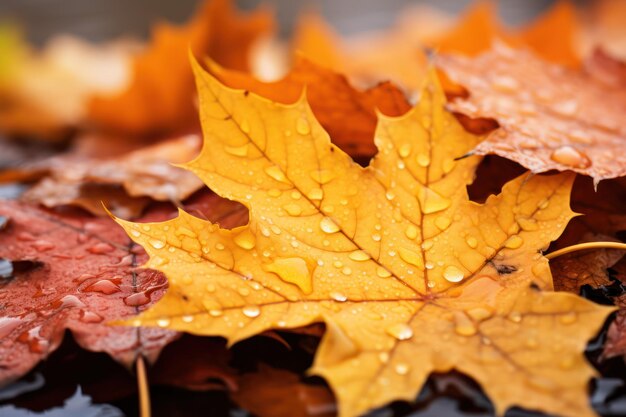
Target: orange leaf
[160, 97]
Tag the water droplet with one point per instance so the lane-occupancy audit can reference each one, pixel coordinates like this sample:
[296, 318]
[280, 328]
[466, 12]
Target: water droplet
[447, 165]
[135, 233]
[423, 160]
[463, 325]
[479, 313]
[100, 248]
[569, 156]
[274, 192]
[505, 84]
[8, 324]
[245, 126]
[245, 239]
[383, 357]
[215, 312]
[359, 255]
[453, 274]
[237, 150]
[293, 209]
[382, 272]
[187, 318]
[276, 173]
[302, 126]
[104, 286]
[566, 107]
[431, 201]
[316, 194]
[514, 242]
[346, 271]
[156, 243]
[527, 224]
[431, 284]
[471, 241]
[323, 176]
[376, 237]
[442, 222]
[185, 231]
[36, 343]
[400, 331]
[328, 225]
[219, 246]
[294, 271]
[515, 316]
[411, 231]
[402, 368]
[337, 296]
[251, 311]
[411, 257]
[137, 299]
[43, 245]
[405, 150]
[90, 317]
[568, 318]
[163, 322]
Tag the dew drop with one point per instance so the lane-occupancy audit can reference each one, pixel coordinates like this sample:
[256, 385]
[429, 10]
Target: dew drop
[276, 173]
[245, 239]
[382, 272]
[431, 284]
[402, 368]
[338, 296]
[423, 160]
[156, 243]
[328, 225]
[411, 231]
[293, 209]
[568, 318]
[237, 150]
[514, 242]
[43, 245]
[515, 316]
[376, 237]
[400, 331]
[135, 233]
[163, 322]
[405, 150]
[453, 274]
[411, 257]
[187, 318]
[294, 271]
[8, 324]
[90, 317]
[570, 157]
[359, 255]
[431, 201]
[100, 248]
[471, 242]
[302, 126]
[316, 194]
[137, 299]
[323, 176]
[104, 286]
[251, 311]
[274, 192]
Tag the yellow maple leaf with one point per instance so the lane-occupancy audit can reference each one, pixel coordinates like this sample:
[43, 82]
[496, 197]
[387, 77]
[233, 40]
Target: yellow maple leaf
[409, 275]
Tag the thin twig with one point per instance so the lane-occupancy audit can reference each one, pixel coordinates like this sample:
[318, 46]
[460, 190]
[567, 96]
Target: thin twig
[586, 246]
[142, 384]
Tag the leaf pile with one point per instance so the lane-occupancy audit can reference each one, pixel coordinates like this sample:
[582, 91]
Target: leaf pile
[343, 224]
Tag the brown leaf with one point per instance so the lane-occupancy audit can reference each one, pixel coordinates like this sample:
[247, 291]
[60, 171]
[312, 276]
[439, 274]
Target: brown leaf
[572, 271]
[551, 117]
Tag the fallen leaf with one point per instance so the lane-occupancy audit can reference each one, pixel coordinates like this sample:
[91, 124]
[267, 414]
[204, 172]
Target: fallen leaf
[125, 183]
[409, 276]
[551, 117]
[160, 96]
[365, 59]
[271, 392]
[574, 270]
[86, 278]
[332, 99]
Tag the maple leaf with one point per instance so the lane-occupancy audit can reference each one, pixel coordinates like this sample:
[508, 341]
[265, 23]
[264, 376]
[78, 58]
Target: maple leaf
[551, 117]
[160, 97]
[409, 276]
[332, 99]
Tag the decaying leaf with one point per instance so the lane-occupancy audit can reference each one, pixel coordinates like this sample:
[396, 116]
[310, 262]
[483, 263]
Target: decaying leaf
[551, 117]
[409, 276]
[85, 276]
[574, 270]
[332, 99]
[160, 97]
[123, 182]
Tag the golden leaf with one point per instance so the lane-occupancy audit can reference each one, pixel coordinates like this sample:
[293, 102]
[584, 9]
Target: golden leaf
[409, 275]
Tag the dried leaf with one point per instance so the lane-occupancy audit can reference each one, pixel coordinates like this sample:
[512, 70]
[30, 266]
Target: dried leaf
[332, 99]
[574, 270]
[551, 117]
[160, 97]
[409, 276]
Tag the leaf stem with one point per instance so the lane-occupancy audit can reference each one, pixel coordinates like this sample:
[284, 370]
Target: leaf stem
[586, 246]
[142, 384]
